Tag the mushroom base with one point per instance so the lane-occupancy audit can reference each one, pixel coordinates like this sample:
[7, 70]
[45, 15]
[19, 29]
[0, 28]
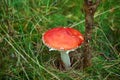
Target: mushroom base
[66, 59]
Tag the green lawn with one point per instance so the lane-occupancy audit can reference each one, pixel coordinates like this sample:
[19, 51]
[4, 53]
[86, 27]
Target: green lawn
[23, 56]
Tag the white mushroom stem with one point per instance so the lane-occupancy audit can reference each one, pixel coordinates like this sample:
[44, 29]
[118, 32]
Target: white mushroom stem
[66, 59]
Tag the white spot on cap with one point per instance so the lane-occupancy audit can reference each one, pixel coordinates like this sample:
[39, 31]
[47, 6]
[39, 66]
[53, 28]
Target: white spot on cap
[81, 37]
[51, 49]
[62, 48]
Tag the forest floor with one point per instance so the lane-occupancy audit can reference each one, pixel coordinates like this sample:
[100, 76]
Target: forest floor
[23, 56]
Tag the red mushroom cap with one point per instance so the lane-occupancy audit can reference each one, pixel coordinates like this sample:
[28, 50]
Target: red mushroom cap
[61, 38]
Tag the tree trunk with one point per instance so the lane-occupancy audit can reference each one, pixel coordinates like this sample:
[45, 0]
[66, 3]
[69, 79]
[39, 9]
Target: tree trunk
[89, 8]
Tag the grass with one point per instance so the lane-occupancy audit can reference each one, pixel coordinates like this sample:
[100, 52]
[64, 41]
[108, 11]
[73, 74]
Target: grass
[23, 55]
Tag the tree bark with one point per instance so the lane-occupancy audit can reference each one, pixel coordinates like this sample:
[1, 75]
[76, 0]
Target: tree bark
[89, 9]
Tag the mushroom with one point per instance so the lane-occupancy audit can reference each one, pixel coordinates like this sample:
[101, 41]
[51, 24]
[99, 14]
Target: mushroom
[63, 39]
